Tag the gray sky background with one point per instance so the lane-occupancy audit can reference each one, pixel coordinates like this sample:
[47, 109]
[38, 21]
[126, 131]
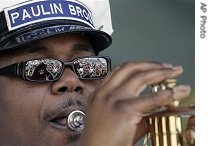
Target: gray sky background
[156, 30]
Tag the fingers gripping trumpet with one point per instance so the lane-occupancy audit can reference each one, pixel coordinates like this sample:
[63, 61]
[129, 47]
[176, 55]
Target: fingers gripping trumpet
[165, 122]
[166, 127]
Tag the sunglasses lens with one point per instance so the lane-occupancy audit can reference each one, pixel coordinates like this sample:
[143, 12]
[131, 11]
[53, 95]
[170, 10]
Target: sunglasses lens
[89, 68]
[43, 70]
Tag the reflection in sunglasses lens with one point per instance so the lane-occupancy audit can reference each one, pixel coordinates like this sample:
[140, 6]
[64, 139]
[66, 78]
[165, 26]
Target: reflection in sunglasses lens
[91, 67]
[51, 69]
[43, 70]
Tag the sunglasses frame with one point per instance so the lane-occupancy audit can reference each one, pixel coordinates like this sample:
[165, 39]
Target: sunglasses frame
[18, 69]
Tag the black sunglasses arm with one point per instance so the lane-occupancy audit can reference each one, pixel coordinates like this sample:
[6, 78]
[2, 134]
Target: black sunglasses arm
[12, 70]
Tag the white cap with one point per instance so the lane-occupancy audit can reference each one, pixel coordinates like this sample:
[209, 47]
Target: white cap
[23, 21]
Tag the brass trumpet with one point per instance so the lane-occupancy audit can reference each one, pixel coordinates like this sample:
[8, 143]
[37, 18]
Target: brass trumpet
[166, 122]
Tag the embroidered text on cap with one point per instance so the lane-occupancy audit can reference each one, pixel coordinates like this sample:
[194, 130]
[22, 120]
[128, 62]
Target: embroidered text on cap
[39, 10]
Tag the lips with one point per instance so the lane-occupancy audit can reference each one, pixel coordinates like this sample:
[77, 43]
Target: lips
[59, 123]
[57, 116]
[59, 119]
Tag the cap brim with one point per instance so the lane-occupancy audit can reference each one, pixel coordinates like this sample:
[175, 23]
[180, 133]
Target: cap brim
[9, 40]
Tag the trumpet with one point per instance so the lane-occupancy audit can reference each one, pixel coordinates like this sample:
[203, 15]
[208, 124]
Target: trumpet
[165, 123]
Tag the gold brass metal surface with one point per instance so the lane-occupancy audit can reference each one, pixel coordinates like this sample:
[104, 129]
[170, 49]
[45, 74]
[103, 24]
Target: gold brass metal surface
[166, 122]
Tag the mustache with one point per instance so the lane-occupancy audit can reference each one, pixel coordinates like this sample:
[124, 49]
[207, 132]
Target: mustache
[66, 104]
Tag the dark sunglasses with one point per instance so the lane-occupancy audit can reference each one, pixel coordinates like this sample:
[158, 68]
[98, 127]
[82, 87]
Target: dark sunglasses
[47, 70]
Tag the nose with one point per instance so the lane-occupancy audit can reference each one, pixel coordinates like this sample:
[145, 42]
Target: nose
[69, 82]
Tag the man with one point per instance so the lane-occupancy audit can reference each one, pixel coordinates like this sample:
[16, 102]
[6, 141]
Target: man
[49, 67]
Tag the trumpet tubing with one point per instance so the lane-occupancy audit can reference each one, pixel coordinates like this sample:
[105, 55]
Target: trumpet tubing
[166, 131]
[166, 127]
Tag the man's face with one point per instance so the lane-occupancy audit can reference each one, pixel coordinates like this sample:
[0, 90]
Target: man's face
[33, 113]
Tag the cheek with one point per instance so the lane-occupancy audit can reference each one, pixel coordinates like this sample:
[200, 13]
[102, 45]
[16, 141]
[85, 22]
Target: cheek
[20, 106]
[16, 95]
[92, 85]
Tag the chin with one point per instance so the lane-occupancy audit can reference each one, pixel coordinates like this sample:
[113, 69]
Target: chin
[68, 139]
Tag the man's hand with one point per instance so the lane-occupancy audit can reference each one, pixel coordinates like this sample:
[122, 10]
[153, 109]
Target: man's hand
[115, 110]
[190, 131]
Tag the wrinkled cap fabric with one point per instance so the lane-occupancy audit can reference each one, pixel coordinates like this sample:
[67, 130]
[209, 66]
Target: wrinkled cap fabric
[22, 21]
